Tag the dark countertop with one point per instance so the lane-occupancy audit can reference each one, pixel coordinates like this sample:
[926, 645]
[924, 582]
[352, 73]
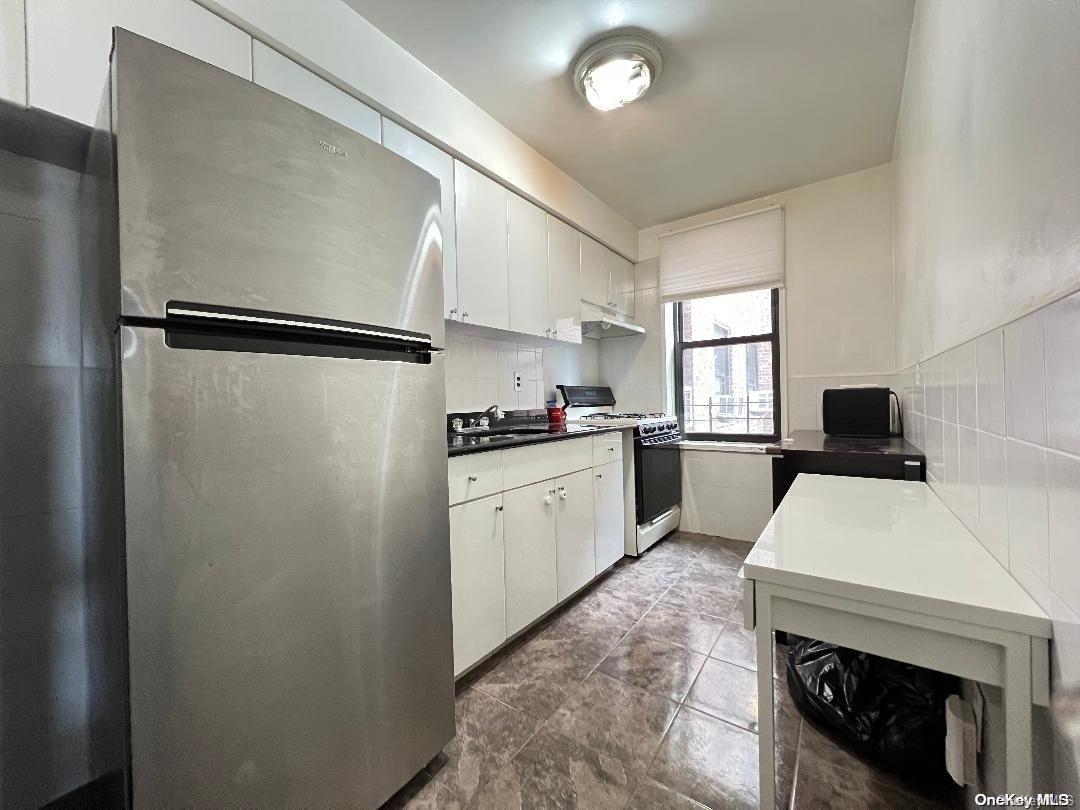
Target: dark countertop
[814, 441]
[464, 444]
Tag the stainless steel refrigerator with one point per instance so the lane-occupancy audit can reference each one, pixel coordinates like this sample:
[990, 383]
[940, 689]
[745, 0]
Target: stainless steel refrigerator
[276, 311]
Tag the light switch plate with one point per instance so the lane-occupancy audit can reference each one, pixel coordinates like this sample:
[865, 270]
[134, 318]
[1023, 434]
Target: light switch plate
[517, 381]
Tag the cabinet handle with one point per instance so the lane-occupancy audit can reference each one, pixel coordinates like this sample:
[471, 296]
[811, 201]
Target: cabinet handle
[472, 477]
[599, 475]
[465, 314]
[498, 508]
[562, 494]
[453, 312]
[611, 449]
[547, 499]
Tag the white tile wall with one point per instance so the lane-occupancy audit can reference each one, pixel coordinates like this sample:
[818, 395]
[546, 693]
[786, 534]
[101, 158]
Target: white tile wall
[726, 494]
[480, 373]
[1011, 470]
[803, 406]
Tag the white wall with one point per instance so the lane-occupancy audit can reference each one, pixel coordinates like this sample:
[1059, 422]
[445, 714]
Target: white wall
[46, 572]
[838, 298]
[987, 231]
[633, 366]
[1000, 424]
[12, 52]
[838, 270]
[726, 494]
[988, 168]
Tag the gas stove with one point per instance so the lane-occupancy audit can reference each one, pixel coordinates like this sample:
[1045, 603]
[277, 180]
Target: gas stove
[652, 466]
[586, 404]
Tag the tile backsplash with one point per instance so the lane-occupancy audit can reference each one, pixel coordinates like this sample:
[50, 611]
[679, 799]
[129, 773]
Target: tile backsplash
[480, 373]
[999, 420]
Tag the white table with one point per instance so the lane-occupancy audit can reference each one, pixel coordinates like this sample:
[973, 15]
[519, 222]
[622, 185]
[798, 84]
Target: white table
[884, 567]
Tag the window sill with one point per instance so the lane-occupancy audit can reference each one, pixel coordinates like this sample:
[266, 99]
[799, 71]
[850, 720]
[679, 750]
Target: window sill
[725, 447]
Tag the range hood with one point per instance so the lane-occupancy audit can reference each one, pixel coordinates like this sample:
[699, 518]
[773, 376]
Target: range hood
[599, 324]
[599, 327]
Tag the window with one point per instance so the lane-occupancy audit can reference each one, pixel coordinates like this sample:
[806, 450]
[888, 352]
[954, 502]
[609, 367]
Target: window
[727, 366]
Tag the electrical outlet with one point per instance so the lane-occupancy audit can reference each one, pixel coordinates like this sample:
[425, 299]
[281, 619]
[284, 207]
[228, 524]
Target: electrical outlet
[517, 381]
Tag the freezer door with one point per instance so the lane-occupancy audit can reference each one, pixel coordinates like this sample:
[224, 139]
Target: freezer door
[288, 575]
[233, 196]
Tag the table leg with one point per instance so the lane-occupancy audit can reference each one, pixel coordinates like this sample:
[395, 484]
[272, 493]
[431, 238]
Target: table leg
[766, 742]
[1017, 691]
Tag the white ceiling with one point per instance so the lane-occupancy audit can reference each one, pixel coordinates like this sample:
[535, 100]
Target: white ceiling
[756, 96]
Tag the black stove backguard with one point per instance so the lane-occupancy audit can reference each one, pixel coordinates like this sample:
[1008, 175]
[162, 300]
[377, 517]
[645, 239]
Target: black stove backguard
[586, 396]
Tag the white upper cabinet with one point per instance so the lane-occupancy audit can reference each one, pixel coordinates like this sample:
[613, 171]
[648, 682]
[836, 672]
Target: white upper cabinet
[483, 262]
[528, 265]
[275, 72]
[13, 52]
[435, 161]
[564, 279]
[68, 46]
[622, 285]
[595, 272]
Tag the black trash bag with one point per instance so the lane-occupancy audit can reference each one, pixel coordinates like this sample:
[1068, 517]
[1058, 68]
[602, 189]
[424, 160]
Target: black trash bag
[892, 713]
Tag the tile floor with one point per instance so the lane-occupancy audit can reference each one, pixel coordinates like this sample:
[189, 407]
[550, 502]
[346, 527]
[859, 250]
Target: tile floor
[641, 693]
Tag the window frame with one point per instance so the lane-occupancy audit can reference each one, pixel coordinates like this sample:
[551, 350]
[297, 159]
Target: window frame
[772, 338]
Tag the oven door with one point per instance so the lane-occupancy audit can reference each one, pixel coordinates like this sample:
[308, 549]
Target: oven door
[658, 476]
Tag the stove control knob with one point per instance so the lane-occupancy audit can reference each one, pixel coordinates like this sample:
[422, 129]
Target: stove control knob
[672, 425]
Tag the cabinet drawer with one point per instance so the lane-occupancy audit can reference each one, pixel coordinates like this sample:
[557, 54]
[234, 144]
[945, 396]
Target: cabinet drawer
[539, 462]
[475, 475]
[607, 447]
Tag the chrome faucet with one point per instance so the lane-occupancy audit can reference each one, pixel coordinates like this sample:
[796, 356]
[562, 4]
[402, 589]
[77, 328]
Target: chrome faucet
[483, 421]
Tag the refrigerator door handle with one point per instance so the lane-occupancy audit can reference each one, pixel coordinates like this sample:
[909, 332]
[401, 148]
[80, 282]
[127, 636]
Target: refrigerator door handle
[257, 319]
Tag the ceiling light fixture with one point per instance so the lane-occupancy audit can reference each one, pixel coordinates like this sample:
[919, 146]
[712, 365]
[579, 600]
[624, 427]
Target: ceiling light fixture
[617, 70]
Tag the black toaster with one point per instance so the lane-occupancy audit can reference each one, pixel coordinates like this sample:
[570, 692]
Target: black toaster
[861, 411]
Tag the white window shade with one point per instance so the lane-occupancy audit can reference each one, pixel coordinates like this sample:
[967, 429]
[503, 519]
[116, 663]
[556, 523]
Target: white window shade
[743, 253]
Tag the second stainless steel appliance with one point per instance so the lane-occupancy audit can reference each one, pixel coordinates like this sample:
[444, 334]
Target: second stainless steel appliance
[277, 305]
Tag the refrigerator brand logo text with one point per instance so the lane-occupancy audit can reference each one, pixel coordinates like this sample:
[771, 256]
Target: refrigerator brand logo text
[333, 150]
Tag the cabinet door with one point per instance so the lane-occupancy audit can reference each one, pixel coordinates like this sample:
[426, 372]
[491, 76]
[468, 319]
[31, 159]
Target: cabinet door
[608, 510]
[595, 272]
[476, 577]
[286, 78]
[434, 161]
[575, 550]
[483, 270]
[531, 585]
[527, 233]
[622, 285]
[68, 44]
[564, 278]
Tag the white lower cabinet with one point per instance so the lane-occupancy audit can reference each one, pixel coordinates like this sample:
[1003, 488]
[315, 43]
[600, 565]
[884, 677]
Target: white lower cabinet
[608, 509]
[554, 525]
[575, 552]
[531, 586]
[477, 579]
